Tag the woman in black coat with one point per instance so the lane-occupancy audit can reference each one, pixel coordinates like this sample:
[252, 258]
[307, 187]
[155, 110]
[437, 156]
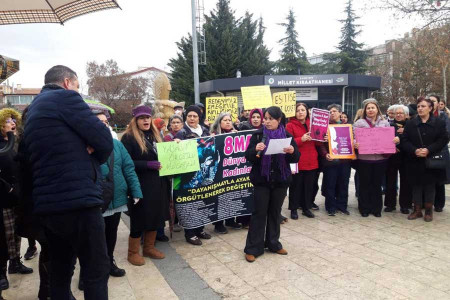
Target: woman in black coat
[150, 212]
[432, 139]
[271, 176]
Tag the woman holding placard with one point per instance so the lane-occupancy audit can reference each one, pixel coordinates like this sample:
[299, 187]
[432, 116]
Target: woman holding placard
[151, 212]
[424, 137]
[271, 176]
[301, 190]
[371, 167]
[224, 124]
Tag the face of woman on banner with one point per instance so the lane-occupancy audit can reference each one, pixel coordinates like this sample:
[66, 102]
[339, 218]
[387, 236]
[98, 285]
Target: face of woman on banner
[270, 122]
[226, 123]
[176, 125]
[371, 111]
[144, 122]
[256, 119]
[344, 118]
[424, 109]
[301, 113]
[192, 119]
[400, 115]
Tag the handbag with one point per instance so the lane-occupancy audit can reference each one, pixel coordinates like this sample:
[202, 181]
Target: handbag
[436, 161]
[107, 185]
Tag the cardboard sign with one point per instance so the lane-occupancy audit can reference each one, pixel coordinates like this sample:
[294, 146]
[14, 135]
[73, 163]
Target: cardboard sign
[178, 158]
[340, 141]
[216, 105]
[377, 140]
[256, 97]
[285, 101]
[319, 124]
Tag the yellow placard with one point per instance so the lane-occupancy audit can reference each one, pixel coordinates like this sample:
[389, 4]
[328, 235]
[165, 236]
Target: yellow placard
[216, 105]
[285, 101]
[256, 96]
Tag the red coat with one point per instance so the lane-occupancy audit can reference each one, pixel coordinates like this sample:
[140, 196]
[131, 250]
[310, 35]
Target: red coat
[308, 158]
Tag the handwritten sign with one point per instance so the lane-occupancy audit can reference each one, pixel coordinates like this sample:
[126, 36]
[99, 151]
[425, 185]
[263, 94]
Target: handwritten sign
[285, 101]
[319, 123]
[340, 141]
[377, 140]
[178, 158]
[256, 96]
[216, 105]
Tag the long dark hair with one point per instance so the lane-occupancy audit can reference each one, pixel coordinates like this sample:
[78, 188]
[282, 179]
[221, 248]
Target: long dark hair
[276, 113]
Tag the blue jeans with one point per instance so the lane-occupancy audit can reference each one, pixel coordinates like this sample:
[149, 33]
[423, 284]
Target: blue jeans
[78, 234]
[336, 188]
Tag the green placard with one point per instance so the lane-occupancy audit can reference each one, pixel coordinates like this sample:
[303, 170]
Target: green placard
[178, 158]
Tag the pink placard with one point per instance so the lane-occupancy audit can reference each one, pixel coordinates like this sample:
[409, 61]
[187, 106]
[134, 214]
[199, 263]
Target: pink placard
[377, 140]
[319, 124]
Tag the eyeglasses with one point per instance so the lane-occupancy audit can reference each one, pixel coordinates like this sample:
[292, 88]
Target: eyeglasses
[11, 121]
[400, 113]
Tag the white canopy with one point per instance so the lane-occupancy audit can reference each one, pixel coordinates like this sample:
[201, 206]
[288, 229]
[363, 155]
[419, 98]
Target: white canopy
[48, 11]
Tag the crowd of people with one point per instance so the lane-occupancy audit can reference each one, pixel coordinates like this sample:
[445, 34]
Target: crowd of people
[68, 179]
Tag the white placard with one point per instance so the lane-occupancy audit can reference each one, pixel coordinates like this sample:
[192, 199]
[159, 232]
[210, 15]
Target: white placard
[276, 146]
[306, 94]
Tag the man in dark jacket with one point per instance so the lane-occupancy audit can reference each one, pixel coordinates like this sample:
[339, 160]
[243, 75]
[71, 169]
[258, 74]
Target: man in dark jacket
[67, 143]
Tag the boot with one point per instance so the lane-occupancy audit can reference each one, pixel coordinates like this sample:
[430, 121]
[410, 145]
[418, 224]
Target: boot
[134, 244]
[17, 267]
[149, 246]
[428, 212]
[417, 213]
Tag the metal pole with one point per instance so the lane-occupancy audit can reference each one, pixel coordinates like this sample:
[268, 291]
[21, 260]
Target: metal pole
[195, 51]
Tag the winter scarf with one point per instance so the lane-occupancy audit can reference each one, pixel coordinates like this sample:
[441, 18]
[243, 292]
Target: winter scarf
[278, 133]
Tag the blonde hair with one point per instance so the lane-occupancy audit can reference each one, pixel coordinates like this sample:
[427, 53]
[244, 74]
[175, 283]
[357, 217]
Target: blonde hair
[134, 131]
[358, 115]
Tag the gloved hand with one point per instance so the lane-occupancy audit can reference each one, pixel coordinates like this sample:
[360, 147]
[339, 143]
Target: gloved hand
[153, 165]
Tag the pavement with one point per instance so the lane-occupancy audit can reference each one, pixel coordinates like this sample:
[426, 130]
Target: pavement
[341, 257]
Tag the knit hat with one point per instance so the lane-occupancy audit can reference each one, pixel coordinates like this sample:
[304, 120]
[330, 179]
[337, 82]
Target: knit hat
[195, 109]
[142, 110]
[159, 123]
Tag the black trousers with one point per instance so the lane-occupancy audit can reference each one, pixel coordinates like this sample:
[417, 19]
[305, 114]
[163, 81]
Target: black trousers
[44, 267]
[370, 180]
[405, 196]
[111, 226]
[301, 190]
[424, 193]
[264, 230]
[78, 234]
[336, 179]
[439, 201]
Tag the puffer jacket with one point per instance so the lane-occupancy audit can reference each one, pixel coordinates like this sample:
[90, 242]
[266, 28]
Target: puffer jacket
[59, 128]
[124, 176]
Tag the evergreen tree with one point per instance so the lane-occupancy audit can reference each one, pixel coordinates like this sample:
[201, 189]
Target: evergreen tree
[293, 55]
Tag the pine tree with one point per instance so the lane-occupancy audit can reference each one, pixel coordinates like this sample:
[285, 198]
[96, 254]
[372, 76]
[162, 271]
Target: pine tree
[351, 57]
[292, 55]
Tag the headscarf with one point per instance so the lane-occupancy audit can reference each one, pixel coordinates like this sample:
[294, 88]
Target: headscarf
[279, 133]
[255, 110]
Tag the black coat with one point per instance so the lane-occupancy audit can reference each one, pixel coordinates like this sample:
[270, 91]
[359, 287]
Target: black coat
[59, 128]
[9, 178]
[399, 157]
[186, 133]
[434, 137]
[276, 179]
[152, 210]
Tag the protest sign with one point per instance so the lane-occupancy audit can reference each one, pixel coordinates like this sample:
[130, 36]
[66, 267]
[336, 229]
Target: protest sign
[340, 141]
[256, 96]
[216, 105]
[319, 123]
[177, 158]
[377, 140]
[285, 101]
[221, 189]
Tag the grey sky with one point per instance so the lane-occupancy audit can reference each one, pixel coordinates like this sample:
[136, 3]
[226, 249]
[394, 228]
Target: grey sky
[144, 33]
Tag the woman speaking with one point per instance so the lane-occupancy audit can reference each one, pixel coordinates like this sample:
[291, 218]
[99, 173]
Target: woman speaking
[271, 176]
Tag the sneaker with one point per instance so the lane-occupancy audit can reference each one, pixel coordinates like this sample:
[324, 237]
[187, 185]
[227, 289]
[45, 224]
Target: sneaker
[115, 271]
[4, 283]
[344, 211]
[177, 228]
[233, 224]
[219, 228]
[204, 235]
[314, 207]
[331, 213]
[31, 253]
[194, 241]
[162, 238]
[16, 267]
[389, 209]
